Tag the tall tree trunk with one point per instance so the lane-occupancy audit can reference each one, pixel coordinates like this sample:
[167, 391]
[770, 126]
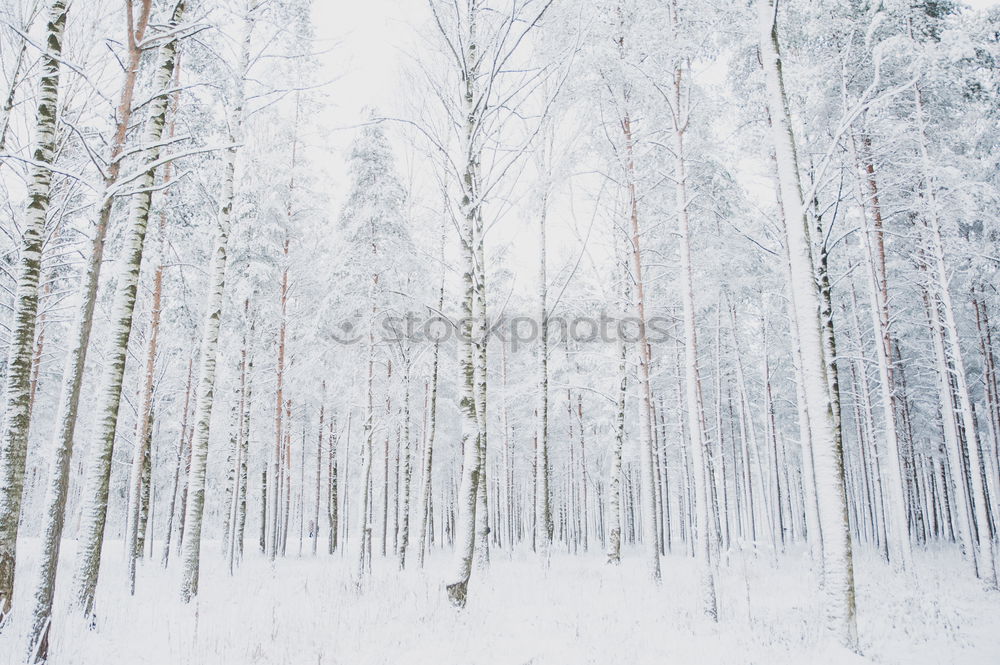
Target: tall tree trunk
[615, 484]
[332, 490]
[426, 465]
[95, 510]
[838, 568]
[194, 510]
[144, 426]
[72, 381]
[692, 380]
[542, 498]
[16, 418]
[648, 480]
[314, 531]
[363, 546]
[961, 525]
[246, 399]
[898, 536]
[939, 270]
[472, 328]
[405, 453]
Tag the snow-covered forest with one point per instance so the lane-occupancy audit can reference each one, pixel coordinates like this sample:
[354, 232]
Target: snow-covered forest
[500, 331]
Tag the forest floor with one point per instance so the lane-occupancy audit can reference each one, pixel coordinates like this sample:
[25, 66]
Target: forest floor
[305, 611]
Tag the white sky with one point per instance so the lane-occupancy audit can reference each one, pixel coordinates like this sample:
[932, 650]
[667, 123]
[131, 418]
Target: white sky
[365, 38]
[370, 35]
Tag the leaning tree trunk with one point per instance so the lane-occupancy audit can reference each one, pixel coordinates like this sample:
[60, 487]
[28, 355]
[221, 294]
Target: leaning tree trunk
[838, 567]
[194, 510]
[15, 80]
[77, 356]
[14, 437]
[95, 511]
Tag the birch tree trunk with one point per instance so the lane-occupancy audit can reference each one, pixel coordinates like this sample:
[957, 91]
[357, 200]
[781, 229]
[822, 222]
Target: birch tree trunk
[95, 510]
[428, 453]
[246, 400]
[76, 359]
[615, 485]
[16, 419]
[191, 555]
[404, 529]
[838, 568]
[465, 538]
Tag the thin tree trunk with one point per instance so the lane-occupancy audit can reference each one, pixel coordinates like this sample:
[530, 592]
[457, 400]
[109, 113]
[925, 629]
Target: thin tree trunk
[647, 485]
[615, 489]
[275, 520]
[246, 399]
[426, 465]
[332, 490]
[692, 380]
[939, 270]
[144, 427]
[210, 339]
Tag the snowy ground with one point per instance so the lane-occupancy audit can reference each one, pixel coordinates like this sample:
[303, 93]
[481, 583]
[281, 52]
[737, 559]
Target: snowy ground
[305, 611]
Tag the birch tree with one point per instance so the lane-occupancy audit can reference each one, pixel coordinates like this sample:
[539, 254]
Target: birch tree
[16, 419]
[191, 554]
[88, 559]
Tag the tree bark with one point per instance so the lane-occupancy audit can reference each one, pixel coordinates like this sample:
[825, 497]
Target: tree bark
[194, 510]
[16, 417]
[838, 568]
[94, 513]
